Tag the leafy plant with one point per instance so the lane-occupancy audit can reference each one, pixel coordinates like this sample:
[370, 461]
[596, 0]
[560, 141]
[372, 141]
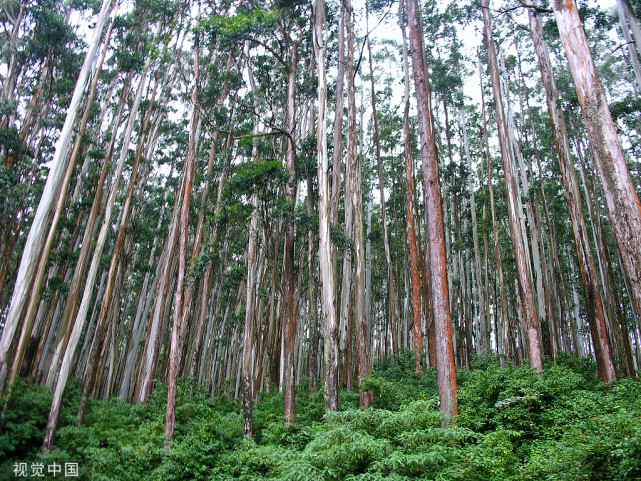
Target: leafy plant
[514, 424]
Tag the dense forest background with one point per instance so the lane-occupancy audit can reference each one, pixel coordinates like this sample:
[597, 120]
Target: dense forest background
[227, 202]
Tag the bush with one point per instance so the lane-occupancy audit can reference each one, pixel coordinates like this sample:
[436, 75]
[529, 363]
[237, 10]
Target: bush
[514, 424]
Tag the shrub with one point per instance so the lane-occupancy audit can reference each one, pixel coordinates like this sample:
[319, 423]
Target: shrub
[514, 424]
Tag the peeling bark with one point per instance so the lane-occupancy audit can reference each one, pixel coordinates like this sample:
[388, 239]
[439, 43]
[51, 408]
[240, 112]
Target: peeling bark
[624, 208]
[434, 226]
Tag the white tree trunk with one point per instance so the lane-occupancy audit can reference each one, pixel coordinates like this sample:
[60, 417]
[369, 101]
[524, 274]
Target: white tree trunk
[36, 238]
[81, 316]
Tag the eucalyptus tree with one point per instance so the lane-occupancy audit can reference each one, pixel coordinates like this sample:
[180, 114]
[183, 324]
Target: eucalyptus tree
[409, 202]
[73, 335]
[178, 21]
[36, 238]
[189, 167]
[289, 23]
[279, 30]
[327, 272]
[355, 197]
[34, 69]
[587, 265]
[337, 158]
[219, 85]
[624, 207]
[30, 313]
[392, 306]
[74, 329]
[291, 26]
[516, 232]
[434, 216]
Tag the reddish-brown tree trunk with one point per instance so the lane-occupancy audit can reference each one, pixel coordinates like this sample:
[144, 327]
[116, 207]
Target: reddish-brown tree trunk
[623, 204]
[176, 331]
[434, 227]
[587, 266]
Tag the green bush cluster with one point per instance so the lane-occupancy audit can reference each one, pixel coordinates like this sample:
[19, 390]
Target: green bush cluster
[513, 424]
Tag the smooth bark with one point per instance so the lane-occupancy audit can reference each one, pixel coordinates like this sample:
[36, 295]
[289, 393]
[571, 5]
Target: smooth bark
[434, 225]
[587, 265]
[360, 317]
[624, 208]
[289, 314]
[516, 233]
[327, 272]
[409, 203]
[81, 316]
[52, 190]
[175, 350]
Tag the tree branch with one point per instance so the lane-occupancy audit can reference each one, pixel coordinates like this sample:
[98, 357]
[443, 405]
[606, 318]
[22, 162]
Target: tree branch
[249, 136]
[524, 5]
[622, 45]
[267, 47]
[276, 130]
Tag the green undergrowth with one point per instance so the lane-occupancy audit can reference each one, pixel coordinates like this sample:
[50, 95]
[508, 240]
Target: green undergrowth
[513, 425]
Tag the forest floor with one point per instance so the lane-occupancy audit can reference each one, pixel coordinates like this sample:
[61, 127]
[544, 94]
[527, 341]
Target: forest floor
[513, 425]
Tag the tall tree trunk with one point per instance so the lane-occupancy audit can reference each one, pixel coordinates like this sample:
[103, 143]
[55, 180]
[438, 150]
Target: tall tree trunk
[434, 227]
[529, 243]
[495, 232]
[289, 317]
[347, 271]
[175, 348]
[107, 295]
[486, 291]
[81, 316]
[327, 273]
[484, 337]
[624, 208]
[33, 248]
[409, 194]
[312, 294]
[360, 318]
[391, 288]
[73, 294]
[167, 266]
[198, 235]
[30, 313]
[337, 139]
[525, 284]
[248, 428]
[555, 338]
[250, 300]
[207, 278]
[587, 266]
